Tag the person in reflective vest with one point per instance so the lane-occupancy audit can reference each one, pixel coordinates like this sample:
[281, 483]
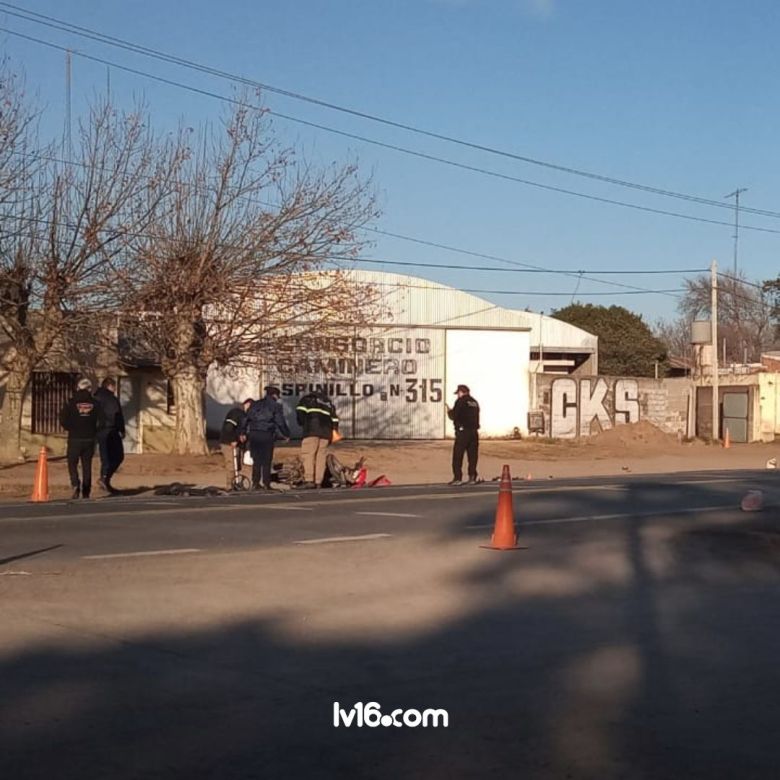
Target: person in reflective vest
[317, 417]
[230, 441]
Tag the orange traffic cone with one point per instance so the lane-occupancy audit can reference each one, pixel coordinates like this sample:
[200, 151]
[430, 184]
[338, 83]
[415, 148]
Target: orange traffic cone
[41, 482]
[727, 439]
[504, 535]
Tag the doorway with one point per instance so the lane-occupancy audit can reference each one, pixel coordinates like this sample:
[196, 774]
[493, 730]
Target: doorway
[130, 388]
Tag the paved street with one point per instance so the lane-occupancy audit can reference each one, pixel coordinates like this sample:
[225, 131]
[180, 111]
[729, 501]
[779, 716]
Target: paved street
[636, 637]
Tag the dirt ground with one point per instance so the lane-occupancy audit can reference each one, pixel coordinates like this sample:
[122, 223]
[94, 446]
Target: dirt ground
[640, 448]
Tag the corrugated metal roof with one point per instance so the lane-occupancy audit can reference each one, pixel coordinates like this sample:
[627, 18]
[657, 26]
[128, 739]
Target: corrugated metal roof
[416, 301]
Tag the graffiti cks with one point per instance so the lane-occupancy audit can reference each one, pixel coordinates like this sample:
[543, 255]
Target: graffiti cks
[576, 405]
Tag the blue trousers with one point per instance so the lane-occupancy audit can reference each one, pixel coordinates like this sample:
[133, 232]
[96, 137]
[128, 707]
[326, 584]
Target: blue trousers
[261, 446]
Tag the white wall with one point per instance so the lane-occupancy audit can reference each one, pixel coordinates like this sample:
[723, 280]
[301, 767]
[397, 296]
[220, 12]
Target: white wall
[769, 407]
[226, 388]
[494, 364]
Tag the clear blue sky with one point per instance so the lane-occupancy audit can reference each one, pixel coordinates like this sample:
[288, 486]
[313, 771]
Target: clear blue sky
[677, 95]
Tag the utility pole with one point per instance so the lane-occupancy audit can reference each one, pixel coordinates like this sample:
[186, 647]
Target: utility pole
[736, 195]
[714, 335]
[68, 100]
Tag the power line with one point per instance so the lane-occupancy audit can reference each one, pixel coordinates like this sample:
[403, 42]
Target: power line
[109, 40]
[484, 256]
[625, 289]
[739, 280]
[452, 266]
[579, 275]
[525, 266]
[676, 291]
[382, 144]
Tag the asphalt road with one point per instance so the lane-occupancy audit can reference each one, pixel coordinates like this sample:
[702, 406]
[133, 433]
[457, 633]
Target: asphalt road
[64, 530]
[636, 637]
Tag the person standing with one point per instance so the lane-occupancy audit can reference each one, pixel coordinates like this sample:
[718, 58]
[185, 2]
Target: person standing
[230, 441]
[317, 416]
[109, 438]
[264, 420]
[82, 417]
[465, 417]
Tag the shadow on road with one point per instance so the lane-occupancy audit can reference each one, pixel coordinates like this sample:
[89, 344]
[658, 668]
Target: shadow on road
[623, 650]
[30, 554]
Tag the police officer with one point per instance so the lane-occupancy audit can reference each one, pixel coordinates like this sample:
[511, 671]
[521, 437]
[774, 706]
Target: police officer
[82, 417]
[229, 440]
[317, 416]
[109, 437]
[465, 417]
[264, 420]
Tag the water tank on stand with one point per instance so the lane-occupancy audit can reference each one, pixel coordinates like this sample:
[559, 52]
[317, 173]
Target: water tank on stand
[701, 332]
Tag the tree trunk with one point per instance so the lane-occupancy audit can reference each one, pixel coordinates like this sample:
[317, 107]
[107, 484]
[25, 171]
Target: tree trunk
[17, 382]
[190, 434]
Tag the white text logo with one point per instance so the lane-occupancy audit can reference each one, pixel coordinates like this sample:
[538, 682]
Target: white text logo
[371, 715]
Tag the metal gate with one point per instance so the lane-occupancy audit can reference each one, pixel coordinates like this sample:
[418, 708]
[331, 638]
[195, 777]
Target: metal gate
[51, 390]
[735, 414]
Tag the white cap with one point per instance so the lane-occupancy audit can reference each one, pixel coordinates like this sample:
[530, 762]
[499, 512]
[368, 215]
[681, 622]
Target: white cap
[84, 384]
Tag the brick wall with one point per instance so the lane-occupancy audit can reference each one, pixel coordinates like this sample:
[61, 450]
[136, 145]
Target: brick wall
[582, 406]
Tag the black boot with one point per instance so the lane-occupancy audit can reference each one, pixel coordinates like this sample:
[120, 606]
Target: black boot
[76, 491]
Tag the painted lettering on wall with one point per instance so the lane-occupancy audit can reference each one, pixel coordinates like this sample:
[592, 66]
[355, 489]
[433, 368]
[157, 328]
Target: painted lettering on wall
[383, 367]
[578, 408]
[412, 391]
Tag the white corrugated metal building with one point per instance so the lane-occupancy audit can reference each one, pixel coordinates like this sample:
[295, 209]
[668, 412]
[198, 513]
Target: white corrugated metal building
[390, 380]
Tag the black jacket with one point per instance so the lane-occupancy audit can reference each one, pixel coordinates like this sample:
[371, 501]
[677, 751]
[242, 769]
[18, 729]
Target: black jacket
[465, 414]
[112, 411]
[317, 416]
[265, 416]
[231, 427]
[82, 417]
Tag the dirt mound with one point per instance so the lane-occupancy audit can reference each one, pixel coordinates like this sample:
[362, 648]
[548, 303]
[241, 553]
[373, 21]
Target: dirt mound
[642, 434]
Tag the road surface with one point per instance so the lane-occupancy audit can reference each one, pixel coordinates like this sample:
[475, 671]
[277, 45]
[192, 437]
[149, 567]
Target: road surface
[637, 636]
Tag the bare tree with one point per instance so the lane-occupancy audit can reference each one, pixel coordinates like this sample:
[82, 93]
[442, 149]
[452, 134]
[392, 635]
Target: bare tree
[17, 132]
[233, 256]
[59, 242]
[676, 336]
[744, 314]
[772, 289]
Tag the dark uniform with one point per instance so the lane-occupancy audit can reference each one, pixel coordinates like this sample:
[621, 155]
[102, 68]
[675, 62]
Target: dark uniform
[230, 442]
[264, 420]
[465, 416]
[112, 450]
[318, 419]
[82, 417]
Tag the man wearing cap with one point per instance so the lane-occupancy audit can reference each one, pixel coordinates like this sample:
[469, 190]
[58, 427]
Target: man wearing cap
[465, 417]
[230, 443]
[264, 420]
[82, 417]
